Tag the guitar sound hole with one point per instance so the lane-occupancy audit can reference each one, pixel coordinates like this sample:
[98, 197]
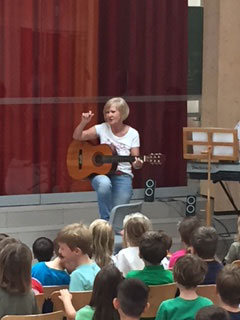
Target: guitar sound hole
[98, 160]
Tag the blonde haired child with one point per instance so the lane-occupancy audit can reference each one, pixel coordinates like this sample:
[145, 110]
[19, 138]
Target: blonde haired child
[234, 250]
[16, 294]
[134, 226]
[103, 242]
[75, 248]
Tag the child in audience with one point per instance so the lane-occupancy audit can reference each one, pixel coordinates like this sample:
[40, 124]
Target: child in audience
[189, 271]
[132, 299]
[212, 313]
[186, 227]
[228, 289]
[101, 304]
[36, 284]
[168, 241]
[51, 273]
[204, 242]
[152, 249]
[43, 249]
[234, 250]
[134, 226]
[16, 295]
[75, 241]
[103, 242]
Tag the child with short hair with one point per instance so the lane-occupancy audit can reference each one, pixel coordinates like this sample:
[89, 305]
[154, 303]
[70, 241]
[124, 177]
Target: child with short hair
[134, 226]
[101, 303]
[103, 242]
[51, 273]
[75, 241]
[132, 299]
[228, 289]
[168, 240]
[204, 242]
[43, 249]
[212, 313]
[185, 228]
[152, 249]
[234, 250]
[189, 271]
[16, 293]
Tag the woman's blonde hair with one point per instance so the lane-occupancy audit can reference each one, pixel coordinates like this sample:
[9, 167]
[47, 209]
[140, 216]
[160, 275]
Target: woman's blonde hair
[15, 266]
[103, 241]
[120, 104]
[238, 227]
[134, 226]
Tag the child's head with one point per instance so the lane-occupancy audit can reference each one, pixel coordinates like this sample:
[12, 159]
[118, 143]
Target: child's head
[3, 236]
[43, 249]
[189, 271]
[166, 238]
[228, 285]
[104, 291]
[212, 313]
[186, 227]
[74, 240]
[15, 266]
[152, 247]
[204, 241]
[132, 298]
[134, 226]
[102, 241]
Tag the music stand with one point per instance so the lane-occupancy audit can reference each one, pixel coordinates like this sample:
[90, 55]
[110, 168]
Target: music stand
[210, 145]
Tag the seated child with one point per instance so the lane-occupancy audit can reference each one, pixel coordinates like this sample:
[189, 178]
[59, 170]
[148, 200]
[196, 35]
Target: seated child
[212, 313]
[228, 289]
[75, 241]
[168, 241]
[36, 284]
[185, 228]
[132, 299]
[101, 304]
[189, 271]
[16, 295]
[134, 226]
[152, 249]
[51, 273]
[204, 242]
[103, 242]
[234, 250]
[43, 249]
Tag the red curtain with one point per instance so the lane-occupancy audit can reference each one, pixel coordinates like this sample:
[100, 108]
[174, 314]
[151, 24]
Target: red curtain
[54, 54]
[143, 56]
[48, 57]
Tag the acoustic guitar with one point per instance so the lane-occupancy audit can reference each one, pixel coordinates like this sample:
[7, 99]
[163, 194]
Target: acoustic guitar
[84, 159]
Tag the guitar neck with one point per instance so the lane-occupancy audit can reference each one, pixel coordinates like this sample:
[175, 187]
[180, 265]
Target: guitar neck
[117, 158]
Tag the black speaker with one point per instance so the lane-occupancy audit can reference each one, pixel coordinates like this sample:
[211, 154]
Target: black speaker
[149, 190]
[191, 205]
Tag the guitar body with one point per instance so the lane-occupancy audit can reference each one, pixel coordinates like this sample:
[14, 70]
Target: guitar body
[82, 159]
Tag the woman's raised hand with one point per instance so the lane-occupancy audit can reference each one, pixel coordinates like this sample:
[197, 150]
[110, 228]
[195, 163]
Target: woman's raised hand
[87, 116]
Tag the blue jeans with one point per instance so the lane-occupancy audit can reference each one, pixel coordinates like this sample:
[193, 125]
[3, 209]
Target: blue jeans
[112, 191]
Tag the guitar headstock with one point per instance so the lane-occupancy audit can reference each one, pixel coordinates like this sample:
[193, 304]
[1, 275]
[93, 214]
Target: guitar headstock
[155, 158]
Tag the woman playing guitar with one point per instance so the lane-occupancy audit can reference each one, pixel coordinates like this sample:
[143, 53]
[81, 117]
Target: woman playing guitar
[116, 188]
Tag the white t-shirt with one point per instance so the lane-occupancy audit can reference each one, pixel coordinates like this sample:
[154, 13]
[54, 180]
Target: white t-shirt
[122, 145]
[128, 259]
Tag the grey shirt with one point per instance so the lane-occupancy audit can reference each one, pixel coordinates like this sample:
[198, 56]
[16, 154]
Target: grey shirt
[233, 252]
[17, 304]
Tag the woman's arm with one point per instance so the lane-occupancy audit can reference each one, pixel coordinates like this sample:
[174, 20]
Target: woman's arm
[81, 134]
[66, 298]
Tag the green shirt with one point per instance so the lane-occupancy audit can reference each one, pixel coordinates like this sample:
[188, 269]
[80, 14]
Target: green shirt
[181, 309]
[85, 313]
[152, 275]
